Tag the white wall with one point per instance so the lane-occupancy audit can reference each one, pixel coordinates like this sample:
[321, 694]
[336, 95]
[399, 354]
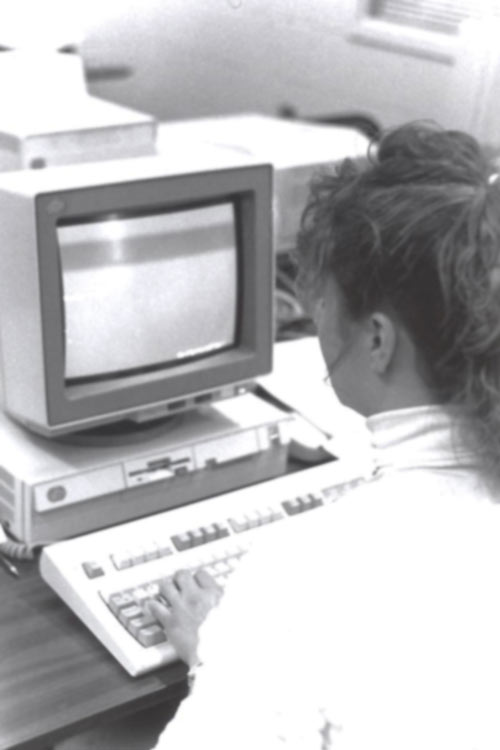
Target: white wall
[195, 58]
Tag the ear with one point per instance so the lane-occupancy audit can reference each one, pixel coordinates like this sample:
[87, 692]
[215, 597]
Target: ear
[382, 342]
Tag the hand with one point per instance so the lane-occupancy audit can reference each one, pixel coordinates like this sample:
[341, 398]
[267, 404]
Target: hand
[188, 598]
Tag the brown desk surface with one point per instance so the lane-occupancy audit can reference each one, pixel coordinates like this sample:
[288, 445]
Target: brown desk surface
[55, 678]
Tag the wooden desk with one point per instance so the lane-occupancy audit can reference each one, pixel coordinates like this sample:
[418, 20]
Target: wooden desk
[55, 678]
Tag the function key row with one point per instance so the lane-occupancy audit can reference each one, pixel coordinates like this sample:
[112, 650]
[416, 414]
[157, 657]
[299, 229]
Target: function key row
[199, 536]
[255, 518]
[204, 534]
[302, 503]
[249, 520]
[127, 558]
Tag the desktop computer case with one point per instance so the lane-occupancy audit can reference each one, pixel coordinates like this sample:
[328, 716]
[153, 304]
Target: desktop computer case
[55, 489]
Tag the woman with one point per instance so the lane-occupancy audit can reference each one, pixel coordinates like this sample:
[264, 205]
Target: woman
[374, 623]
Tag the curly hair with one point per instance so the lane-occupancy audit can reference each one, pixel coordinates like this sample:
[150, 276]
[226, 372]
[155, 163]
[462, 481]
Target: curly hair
[415, 229]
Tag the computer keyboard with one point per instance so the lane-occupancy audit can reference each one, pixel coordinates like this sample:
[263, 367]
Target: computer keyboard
[106, 576]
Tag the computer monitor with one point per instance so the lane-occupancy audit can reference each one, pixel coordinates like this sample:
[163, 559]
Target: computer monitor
[128, 289]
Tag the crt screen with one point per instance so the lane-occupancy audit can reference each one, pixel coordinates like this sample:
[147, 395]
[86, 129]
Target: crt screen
[148, 290]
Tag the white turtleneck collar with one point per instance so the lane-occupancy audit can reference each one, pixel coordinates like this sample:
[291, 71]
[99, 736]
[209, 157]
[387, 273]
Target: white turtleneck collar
[417, 437]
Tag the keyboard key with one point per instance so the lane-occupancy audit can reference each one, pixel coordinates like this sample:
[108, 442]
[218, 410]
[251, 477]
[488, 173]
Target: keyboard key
[92, 569]
[266, 515]
[127, 614]
[153, 589]
[210, 532]
[316, 501]
[220, 566]
[239, 552]
[152, 551]
[140, 623]
[140, 594]
[331, 494]
[197, 537]
[238, 524]
[164, 549]
[253, 519]
[221, 530]
[138, 555]
[293, 507]
[182, 542]
[119, 601]
[121, 560]
[151, 635]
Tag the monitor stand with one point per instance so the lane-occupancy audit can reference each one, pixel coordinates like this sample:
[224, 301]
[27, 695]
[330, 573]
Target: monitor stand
[126, 432]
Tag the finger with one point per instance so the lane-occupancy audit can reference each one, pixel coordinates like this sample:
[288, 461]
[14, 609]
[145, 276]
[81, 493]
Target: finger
[206, 581]
[169, 591]
[157, 610]
[186, 583]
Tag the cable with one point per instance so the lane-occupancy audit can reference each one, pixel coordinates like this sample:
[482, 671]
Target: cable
[13, 549]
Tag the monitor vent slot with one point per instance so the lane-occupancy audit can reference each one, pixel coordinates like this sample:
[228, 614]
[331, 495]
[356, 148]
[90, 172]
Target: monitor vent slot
[204, 398]
[7, 478]
[7, 496]
[177, 405]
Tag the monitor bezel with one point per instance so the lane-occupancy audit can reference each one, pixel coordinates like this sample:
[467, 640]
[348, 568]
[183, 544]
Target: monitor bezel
[249, 188]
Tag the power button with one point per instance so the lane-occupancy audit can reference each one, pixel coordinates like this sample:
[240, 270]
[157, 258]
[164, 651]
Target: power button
[56, 494]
